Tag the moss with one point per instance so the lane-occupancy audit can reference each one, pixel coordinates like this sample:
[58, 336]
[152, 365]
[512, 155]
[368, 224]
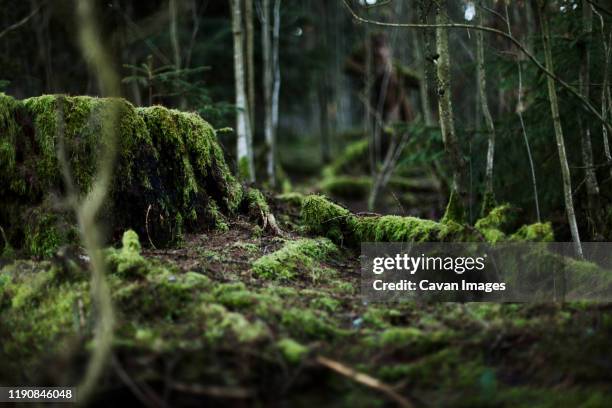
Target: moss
[244, 170]
[220, 325]
[127, 260]
[347, 186]
[169, 172]
[395, 228]
[286, 263]
[488, 203]
[538, 232]
[455, 212]
[293, 351]
[307, 323]
[324, 217]
[256, 203]
[502, 218]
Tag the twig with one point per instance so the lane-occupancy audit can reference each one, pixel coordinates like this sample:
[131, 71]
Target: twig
[147, 227]
[365, 380]
[20, 22]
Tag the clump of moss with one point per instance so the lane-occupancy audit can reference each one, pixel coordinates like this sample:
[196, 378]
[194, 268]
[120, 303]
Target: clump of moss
[293, 351]
[255, 203]
[503, 218]
[294, 255]
[293, 198]
[324, 217]
[127, 260]
[538, 232]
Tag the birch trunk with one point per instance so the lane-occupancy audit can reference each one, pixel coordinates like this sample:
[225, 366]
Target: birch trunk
[587, 151]
[489, 196]
[554, 108]
[447, 126]
[243, 128]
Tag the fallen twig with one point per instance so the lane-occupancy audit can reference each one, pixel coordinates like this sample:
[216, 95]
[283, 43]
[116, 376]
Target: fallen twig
[365, 380]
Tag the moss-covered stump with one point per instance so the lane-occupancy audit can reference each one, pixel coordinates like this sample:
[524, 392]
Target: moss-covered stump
[170, 174]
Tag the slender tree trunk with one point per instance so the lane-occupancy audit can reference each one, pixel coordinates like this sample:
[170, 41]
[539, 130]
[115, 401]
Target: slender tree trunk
[489, 195]
[458, 202]
[519, 111]
[250, 61]
[417, 44]
[174, 40]
[323, 89]
[554, 108]
[271, 81]
[592, 186]
[243, 129]
[606, 100]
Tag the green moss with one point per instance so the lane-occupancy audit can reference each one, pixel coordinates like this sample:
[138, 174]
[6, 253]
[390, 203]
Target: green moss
[502, 217]
[256, 203]
[127, 260]
[395, 228]
[324, 217]
[488, 203]
[293, 351]
[169, 170]
[307, 323]
[455, 212]
[538, 232]
[222, 325]
[295, 256]
[244, 170]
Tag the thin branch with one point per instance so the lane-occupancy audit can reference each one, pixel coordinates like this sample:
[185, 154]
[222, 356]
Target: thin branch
[365, 379]
[20, 22]
[586, 104]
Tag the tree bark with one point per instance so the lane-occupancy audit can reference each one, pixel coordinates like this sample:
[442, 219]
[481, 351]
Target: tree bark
[243, 129]
[554, 108]
[447, 126]
[489, 196]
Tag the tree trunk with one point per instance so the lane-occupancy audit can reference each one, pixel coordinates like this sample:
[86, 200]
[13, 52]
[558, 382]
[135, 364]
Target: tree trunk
[174, 40]
[250, 62]
[271, 82]
[447, 126]
[587, 151]
[243, 129]
[489, 196]
[554, 108]
[519, 111]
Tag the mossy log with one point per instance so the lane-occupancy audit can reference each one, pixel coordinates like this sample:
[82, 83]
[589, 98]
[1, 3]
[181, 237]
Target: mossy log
[324, 217]
[170, 174]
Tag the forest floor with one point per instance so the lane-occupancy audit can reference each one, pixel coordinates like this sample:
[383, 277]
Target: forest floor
[201, 322]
